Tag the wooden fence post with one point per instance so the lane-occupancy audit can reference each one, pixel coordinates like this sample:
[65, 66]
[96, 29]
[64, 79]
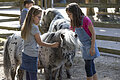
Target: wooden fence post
[117, 2]
[47, 4]
[102, 17]
[42, 3]
[90, 11]
[36, 2]
[21, 4]
[103, 2]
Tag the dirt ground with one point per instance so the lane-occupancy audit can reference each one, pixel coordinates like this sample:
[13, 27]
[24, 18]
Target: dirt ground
[107, 67]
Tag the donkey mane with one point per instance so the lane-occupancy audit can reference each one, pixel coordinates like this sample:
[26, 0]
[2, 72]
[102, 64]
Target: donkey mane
[48, 16]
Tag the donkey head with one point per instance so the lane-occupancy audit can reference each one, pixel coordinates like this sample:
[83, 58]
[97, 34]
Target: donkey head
[47, 17]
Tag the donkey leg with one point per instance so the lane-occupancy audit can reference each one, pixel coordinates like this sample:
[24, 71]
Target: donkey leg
[60, 73]
[68, 73]
[54, 74]
[12, 56]
[20, 74]
[13, 74]
[48, 74]
[19, 61]
[6, 60]
[12, 60]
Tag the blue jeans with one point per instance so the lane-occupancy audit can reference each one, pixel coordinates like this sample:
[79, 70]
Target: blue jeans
[29, 63]
[31, 75]
[90, 67]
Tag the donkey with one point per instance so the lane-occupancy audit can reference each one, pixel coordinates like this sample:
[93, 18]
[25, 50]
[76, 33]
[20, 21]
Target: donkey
[12, 55]
[52, 58]
[52, 20]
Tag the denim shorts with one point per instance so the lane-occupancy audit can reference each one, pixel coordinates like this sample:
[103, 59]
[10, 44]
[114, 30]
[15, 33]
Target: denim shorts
[29, 63]
[90, 67]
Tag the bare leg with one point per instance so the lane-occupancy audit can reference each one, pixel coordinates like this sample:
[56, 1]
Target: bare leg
[95, 76]
[89, 78]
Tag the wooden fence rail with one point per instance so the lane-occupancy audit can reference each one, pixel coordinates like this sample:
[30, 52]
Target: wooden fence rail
[9, 15]
[106, 25]
[8, 28]
[90, 5]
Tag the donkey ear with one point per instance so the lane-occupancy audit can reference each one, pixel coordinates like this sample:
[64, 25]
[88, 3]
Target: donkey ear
[50, 37]
[44, 12]
[62, 36]
[49, 12]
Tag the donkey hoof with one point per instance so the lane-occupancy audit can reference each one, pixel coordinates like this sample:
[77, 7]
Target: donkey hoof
[69, 77]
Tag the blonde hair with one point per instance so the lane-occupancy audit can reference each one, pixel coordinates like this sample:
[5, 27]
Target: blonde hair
[27, 25]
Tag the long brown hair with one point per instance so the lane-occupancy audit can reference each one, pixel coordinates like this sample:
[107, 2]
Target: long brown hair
[77, 14]
[27, 25]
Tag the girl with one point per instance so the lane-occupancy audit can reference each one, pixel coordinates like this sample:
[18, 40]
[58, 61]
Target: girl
[27, 5]
[31, 35]
[83, 27]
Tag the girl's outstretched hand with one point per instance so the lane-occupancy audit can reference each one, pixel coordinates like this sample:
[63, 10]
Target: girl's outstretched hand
[55, 44]
[92, 51]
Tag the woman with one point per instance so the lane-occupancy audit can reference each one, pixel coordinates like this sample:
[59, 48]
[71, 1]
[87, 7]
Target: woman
[83, 27]
[31, 35]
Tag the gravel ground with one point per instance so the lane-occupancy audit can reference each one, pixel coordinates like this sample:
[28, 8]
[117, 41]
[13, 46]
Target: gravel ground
[108, 68]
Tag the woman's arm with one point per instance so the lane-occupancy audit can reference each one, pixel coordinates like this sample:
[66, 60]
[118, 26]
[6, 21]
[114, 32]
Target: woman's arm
[41, 43]
[93, 37]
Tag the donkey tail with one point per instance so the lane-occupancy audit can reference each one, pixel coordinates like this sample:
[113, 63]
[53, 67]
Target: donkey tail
[6, 58]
